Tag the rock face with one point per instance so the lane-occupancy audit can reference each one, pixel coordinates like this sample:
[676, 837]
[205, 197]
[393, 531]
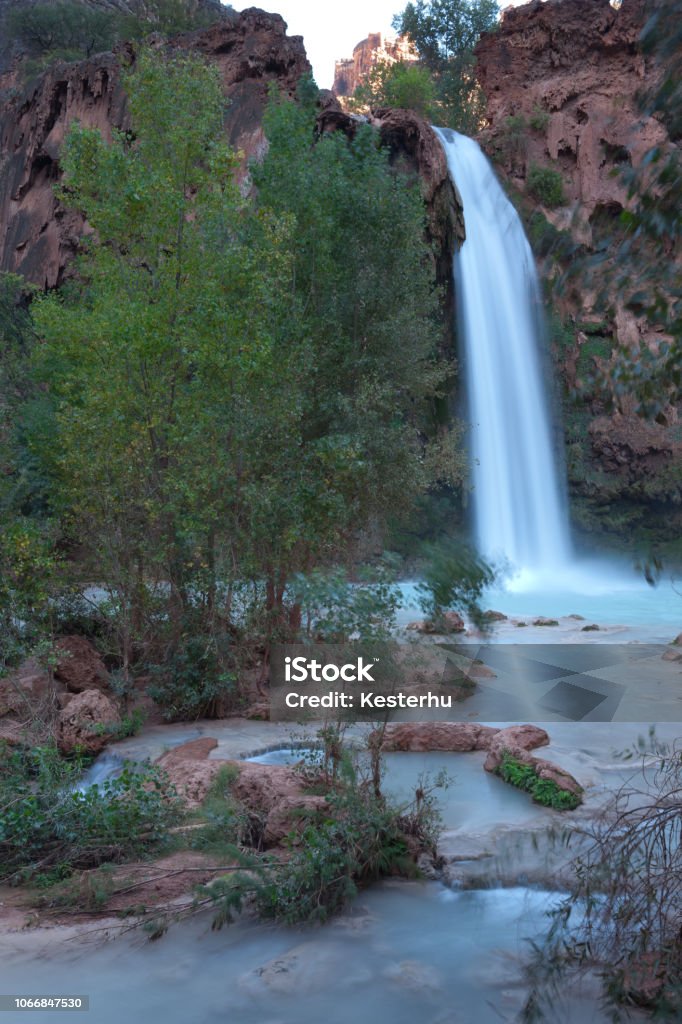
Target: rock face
[38, 237]
[350, 72]
[573, 69]
[87, 723]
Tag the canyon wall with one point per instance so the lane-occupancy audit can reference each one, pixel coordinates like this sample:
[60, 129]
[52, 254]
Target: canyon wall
[38, 237]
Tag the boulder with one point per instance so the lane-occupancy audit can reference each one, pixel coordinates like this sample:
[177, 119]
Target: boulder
[451, 622]
[542, 621]
[516, 740]
[492, 616]
[19, 693]
[87, 723]
[79, 665]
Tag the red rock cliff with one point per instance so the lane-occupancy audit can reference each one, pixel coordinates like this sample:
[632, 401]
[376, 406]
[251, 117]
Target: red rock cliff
[38, 237]
[572, 70]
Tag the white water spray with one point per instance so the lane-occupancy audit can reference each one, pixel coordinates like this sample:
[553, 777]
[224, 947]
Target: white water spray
[519, 509]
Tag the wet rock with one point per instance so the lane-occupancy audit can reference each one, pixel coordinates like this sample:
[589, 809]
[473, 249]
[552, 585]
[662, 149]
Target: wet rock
[192, 750]
[79, 665]
[451, 622]
[87, 723]
[578, 618]
[592, 628]
[516, 740]
[424, 736]
[310, 967]
[414, 975]
[492, 616]
[542, 621]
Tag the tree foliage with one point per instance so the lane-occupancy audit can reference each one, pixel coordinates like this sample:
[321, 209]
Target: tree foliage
[233, 390]
[405, 84]
[444, 33]
[73, 29]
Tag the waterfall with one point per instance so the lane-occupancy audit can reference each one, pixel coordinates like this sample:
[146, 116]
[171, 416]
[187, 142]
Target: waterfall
[519, 510]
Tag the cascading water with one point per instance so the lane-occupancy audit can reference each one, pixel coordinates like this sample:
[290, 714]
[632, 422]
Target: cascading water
[517, 500]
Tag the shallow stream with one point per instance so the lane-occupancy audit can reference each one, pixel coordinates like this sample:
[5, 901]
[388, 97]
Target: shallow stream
[406, 952]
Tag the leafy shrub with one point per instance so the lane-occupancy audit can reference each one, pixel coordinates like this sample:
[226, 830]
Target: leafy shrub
[194, 682]
[546, 185]
[454, 577]
[71, 29]
[335, 609]
[539, 119]
[361, 838]
[543, 791]
[513, 136]
[63, 28]
[228, 824]
[27, 573]
[49, 827]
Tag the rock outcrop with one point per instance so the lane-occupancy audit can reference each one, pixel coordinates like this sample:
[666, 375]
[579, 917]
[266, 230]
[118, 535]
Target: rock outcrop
[350, 72]
[515, 740]
[79, 665]
[273, 794]
[87, 723]
[424, 736]
[572, 71]
[38, 237]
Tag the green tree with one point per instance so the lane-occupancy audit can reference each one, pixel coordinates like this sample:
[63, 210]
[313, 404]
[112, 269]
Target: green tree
[403, 84]
[444, 33]
[365, 308]
[148, 361]
[238, 388]
[73, 29]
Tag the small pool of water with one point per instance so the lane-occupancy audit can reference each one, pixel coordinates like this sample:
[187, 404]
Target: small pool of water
[474, 799]
[602, 592]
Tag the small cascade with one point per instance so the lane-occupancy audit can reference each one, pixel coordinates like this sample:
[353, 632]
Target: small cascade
[106, 766]
[519, 508]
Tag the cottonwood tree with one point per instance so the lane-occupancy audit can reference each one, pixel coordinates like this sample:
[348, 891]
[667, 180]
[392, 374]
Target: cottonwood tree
[239, 387]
